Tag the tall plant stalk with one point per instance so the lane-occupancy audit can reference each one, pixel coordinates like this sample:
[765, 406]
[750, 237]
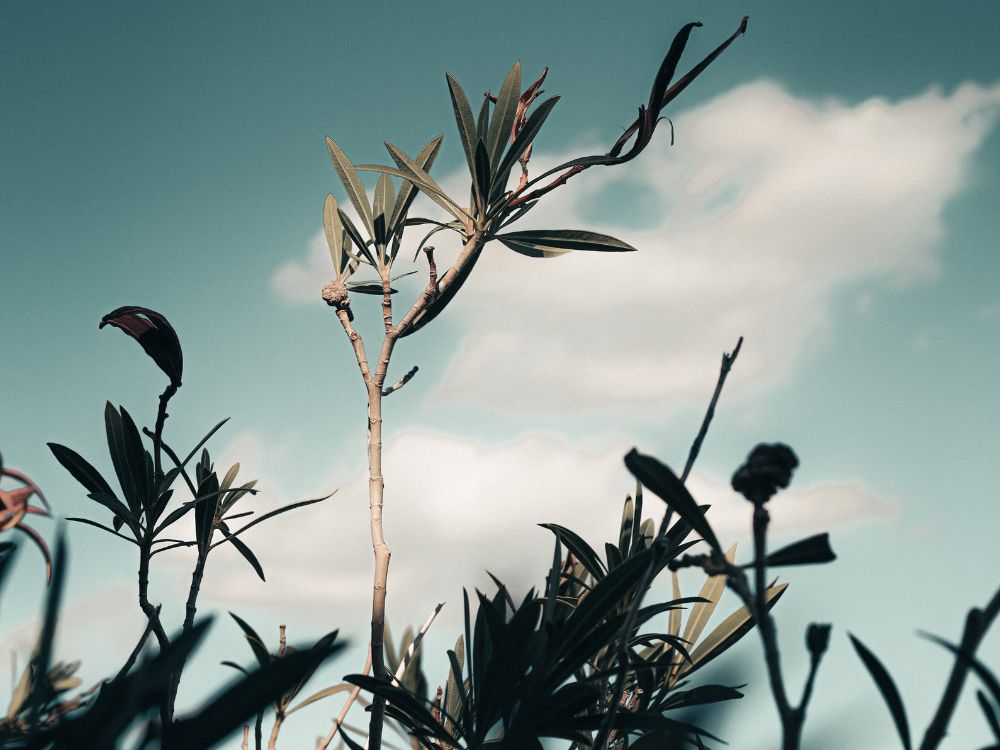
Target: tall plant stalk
[495, 142]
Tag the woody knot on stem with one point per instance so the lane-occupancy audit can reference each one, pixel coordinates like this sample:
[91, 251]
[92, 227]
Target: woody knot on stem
[335, 295]
[767, 469]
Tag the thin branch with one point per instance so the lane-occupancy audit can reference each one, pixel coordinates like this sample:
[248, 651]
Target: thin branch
[727, 365]
[401, 382]
[324, 743]
[603, 736]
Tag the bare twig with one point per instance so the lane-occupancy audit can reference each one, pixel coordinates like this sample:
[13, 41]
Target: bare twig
[324, 743]
[604, 735]
[401, 382]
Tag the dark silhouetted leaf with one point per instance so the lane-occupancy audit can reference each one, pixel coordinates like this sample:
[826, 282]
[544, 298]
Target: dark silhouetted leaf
[885, 685]
[256, 644]
[246, 697]
[815, 549]
[155, 335]
[245, 551]
[519, 146]
[658, 478]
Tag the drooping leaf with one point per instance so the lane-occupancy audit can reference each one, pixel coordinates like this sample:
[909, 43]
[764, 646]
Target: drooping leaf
[155, 335]
[886, 686]
[246, 552]
[815, 549]
[579, 547]
[658, 477]
[550, 243]
[352, 184]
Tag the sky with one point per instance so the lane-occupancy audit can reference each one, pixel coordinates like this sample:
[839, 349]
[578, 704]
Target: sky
[830, 195]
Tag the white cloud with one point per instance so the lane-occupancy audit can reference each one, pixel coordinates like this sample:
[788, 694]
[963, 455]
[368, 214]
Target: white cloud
[456, 507]
[771, 205]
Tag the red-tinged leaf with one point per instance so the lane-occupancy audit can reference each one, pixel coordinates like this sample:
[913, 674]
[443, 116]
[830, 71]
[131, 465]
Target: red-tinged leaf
[155, 335]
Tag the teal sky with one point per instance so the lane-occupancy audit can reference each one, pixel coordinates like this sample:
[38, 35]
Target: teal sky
[172, 156]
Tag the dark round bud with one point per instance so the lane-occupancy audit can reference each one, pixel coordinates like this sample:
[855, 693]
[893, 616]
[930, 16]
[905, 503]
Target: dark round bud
[768, 468]
[817, 639]
[335, 294]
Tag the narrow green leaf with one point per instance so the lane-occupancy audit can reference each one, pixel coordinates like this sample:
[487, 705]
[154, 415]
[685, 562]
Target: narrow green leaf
[548, 243]
[359, 241]
[466, 125]
[520, 145]
[334, 233]
[382, 207]
[886, 686]
[483, 121]
[408, 191]
[413, 172]
[482, 178]
[504, 113]
[352, 184]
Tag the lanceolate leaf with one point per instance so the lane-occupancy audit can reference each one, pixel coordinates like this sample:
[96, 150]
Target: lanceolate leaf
[520, 145]
[579, 547]
[359, 241]
[663, 482]
[352, 184]
[246, 552]
[466, 125]
[415, 173]
[503, 114]
[546, 243]
[155, 335]
[407, 191]
[885, 685]
[82, 471]
[438, 305]
[382, 205]
[711, 591]
[256, 644]
[334, 229]
[728, 632]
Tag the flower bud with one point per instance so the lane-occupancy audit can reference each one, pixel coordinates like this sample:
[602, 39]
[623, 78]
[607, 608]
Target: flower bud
[767, 469]
[817, 639]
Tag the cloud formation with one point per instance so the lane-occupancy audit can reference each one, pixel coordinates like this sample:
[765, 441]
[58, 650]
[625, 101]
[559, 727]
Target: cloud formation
[457, 507]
